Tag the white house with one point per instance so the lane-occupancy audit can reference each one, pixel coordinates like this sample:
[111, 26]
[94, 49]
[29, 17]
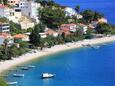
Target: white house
[7, 36]
[29, 8]
[83, 28]
[43, 35]
[4, 11]
[12, 14]
[70, 11]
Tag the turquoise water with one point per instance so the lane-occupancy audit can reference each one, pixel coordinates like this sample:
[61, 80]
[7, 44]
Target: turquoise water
[78, 67]
[107, 7]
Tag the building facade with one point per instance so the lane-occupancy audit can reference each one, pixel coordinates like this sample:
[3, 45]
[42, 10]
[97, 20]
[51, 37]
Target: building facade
[4, 27]
[29, 9]
[68, 27]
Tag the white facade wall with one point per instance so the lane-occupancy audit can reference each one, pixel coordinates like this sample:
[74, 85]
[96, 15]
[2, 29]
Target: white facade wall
[4, 12]
[70, 11]
[29, 8]
[73, 28]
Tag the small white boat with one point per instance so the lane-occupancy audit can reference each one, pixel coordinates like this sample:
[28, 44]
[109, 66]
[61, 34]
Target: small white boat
[47, 75]
[18, 75]
[24, 68]
[31, 66]
[12, 83]
[96, 47]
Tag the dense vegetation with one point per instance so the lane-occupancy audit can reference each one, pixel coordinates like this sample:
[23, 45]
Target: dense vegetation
[2, 82]
[104, 28]
[3, 20]
[15, 28]
[3, 2]
[89, 15]
[52, 17]
[8, 52]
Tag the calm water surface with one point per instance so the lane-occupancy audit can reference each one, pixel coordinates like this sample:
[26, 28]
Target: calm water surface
[107, 7]
[78, 67]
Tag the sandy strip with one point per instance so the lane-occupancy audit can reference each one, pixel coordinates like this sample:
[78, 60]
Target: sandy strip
[57, 48]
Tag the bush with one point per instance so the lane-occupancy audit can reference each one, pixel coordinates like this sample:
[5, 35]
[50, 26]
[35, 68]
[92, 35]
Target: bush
[2, 82]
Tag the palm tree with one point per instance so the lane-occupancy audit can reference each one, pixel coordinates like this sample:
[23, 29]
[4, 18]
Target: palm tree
[6, 48]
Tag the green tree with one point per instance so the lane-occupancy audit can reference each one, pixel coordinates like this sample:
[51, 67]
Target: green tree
[1, 53]
[47, 3]
[29, 29]
[15, 28]
[98, 15]
[52, 17]
[6, 48]
[77, 8]
[3, 20]
[89, 15]
[35, 36]
[103, 28]
[13, 51]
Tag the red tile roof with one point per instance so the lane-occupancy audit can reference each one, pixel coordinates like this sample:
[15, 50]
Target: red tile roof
[5, 35]
[2, 6]
[68, 24]
[20, 36]
[65, 29]
[50, 31]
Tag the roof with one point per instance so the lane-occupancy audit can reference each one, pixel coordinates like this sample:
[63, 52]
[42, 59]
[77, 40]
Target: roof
[50, 31]
[5, 35]
[65, 29]
[62, 31]
[20, 36]
[68, 24]
[2, 6]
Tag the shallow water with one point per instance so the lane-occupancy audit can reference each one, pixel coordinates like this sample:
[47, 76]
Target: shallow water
[77, 67]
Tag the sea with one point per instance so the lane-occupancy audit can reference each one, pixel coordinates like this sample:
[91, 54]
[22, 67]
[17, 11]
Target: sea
[87, 66]
[106, 7]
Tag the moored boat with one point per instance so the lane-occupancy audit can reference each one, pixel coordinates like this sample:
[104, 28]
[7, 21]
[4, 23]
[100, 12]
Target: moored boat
[12, 83]
[18, 75]
[47, 75]
[31, 66]
[24, 68]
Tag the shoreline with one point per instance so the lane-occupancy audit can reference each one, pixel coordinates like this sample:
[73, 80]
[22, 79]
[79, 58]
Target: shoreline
[5, 65]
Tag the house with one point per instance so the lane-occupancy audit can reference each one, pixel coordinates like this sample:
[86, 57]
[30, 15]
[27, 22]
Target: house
[13, 2]
[12, 14]
[4, 27]
[4, 11]
[29, 9]
[102, 20]
[51, 32]
[69, 11]
[83, 28]
[68, 27]
[43, 35]
[21, 37]
[7, 36]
